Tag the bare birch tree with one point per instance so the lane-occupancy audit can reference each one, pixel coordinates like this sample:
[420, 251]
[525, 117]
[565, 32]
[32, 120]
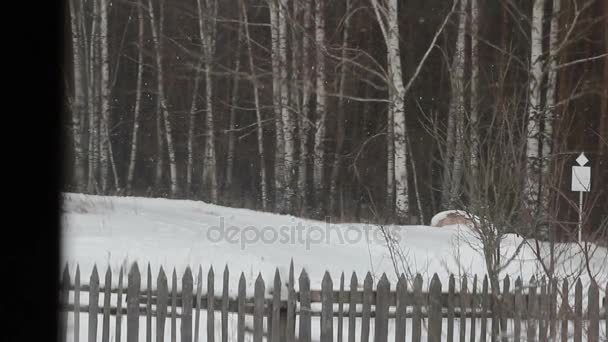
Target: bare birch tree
[454, 155]
[192, 121]
[288, 123]
[93, 99]
[279, 153]
[104, 95]
[550, 100]
[533, 133]
[207, 13]
[402, 208]
[79, 100]
[138, 94]
[157, 37]
[304, 118]
[231, 124]
[475, 90]
[258, 111]
[321, 108]
[390, 165]
[335, 172]
[388, 19]
[458, 104]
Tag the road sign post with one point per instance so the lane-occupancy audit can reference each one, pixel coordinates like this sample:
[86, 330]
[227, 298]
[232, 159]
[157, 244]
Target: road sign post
[581, 182]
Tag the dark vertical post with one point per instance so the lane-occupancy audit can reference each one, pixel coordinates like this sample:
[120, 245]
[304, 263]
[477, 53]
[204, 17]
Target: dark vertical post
[134, 284]
[304, 329]
[93, 304]
[162, 300]
[434, 310]
[186, 322]
[327, 317]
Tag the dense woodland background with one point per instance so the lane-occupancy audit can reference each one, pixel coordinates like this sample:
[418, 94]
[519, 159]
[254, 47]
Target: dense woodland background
[361, 110]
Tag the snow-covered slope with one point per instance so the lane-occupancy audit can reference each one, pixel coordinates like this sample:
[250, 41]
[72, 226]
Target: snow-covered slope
[116, 231]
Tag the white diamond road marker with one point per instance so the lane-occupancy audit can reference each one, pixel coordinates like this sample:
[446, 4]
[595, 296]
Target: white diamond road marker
[582, 160]
[581, 175]
[581, 182]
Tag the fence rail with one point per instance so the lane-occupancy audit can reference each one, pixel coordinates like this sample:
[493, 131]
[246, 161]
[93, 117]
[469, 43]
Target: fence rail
[540, 311]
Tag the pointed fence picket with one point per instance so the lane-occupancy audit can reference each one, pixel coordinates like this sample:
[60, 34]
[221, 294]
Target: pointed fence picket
[327, 319]
[383, 289]
[187, 299]
[225, 303]
[305, 308]
[578, 312]
[149, 306]
[241, 309]
[133, 287]
[417, 310]
[400, 310]
[93, 304]
[366, 309]
[484, 310]
[341, 308]
[119, 307]
[291, 307]
[352, 308]
[105, 336]
[174, 306]
[161, 304]
[537, 311]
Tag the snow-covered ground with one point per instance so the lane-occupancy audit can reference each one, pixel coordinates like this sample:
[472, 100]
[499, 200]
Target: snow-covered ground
[116, 231]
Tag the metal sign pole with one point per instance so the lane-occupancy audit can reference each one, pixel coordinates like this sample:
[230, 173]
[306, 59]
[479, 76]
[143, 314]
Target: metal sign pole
[580, 216]
[581, 182]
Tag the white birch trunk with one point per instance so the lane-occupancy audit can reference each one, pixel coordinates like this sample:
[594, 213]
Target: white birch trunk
[258, 111]
[335, 173]
[160, 137]
[279, 155]
[294, 85]
[207, 33]
[157, 37]
[160, 148]
[93, 101]
[551, 95]
[454, 149]
[231, 126]
[191, 125]
[402, 209]
[117, 189]
[448, 158]
[457, 108]
[321, 109]
[79, 102]
[533, 136]
[137, 108]
[415, 178]
[390, 165]
[475, 91]
[294, 76]
[104, 94]
[289, 126]
[304, 120]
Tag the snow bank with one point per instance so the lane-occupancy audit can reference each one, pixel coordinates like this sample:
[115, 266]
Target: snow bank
[116, 231]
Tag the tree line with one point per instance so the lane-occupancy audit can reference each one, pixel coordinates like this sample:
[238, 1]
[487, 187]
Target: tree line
[364, 110]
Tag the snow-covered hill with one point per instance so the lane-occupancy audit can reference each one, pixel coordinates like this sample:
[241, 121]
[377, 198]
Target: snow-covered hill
[116, 231]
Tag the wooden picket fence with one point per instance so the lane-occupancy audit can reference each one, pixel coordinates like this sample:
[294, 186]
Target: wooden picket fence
[534, 312]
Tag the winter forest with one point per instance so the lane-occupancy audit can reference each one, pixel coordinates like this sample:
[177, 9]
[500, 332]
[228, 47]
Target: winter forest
[383, 111]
